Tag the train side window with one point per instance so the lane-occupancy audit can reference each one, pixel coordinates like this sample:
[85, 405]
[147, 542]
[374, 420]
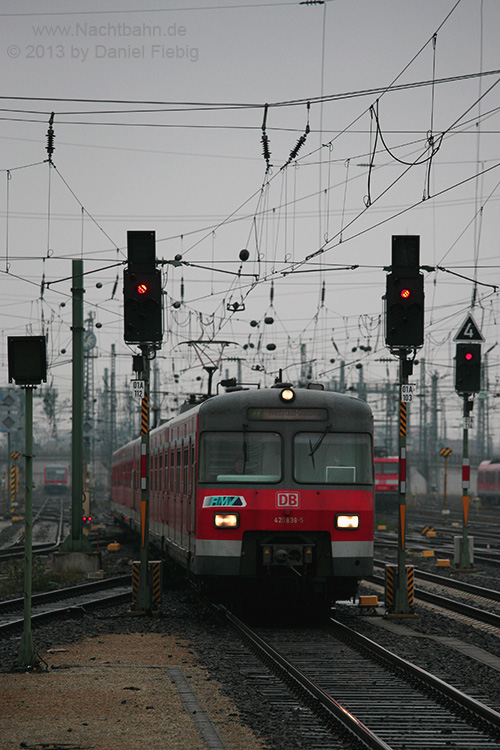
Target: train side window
[171, 471]
[390, 468]
[185, 469]
[178, 471]
[192, 470]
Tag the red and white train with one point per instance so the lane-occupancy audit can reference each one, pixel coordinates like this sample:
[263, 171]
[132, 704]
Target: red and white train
[56, 479]
[273, 488]
[386, 483]
[488, 482]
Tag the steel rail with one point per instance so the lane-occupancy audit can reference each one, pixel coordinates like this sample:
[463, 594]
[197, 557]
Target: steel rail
[61, 595]
[322, 703]
[462, 700]
[74, 609]
[468, 588]
[8, 605]
[480, 615]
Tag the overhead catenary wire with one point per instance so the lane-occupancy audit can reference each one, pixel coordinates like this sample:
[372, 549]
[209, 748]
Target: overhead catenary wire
[270, 208]
[212, 106]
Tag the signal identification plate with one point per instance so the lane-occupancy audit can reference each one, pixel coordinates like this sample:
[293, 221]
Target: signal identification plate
[138, 388]
[407, 391]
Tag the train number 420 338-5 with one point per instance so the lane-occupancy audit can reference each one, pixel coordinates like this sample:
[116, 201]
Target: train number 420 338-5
[288, 519]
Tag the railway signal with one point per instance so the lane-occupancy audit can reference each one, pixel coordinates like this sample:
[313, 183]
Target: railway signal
[142, 298]
[467, 383]
[404, 332]
[468, 368]
[404, 297]
[27, 360]
[142, 295]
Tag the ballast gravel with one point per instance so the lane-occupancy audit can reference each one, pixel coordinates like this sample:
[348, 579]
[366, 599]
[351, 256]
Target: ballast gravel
[106, 684]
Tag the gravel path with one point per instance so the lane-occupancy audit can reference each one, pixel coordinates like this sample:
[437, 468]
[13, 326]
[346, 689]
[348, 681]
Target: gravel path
[80, 699]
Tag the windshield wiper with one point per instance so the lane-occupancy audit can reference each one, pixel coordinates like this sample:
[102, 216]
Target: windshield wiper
[245, 448]
[318, 443]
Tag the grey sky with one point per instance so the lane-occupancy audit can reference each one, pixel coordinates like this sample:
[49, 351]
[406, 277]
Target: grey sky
[197, 175]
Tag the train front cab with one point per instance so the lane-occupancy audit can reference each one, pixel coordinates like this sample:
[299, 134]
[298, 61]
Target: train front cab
[488, 482]
[55, 479]
[386, 483]
[285, 493]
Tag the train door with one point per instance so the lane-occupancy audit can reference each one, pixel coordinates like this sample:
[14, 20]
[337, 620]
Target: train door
[137, 482]
[185, 496]
[178, 497]
[171, 498]
[163, 489]
[191, 524]
[132, 490]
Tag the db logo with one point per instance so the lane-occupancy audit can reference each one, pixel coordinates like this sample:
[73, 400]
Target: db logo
[287, 500]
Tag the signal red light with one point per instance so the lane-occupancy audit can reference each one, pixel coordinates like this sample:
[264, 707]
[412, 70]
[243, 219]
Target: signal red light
[468, 356]
[142, 288]
[405, 293]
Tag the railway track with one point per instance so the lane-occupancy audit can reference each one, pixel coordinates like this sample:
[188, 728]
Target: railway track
[357, 688]
[478, 604]
[53, 604]
[484, 554]
[47, 532]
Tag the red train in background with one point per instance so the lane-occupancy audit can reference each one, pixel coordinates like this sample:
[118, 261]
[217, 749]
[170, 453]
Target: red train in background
[488, 482]
[56, 479]
[386, 483]
[271, 488]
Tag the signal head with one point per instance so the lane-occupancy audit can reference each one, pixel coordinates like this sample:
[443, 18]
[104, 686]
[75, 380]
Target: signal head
[142, 296]
[404, 311]
[468, 368]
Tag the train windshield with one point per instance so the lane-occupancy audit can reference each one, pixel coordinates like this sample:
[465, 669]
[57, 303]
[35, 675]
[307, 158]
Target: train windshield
[240, 457]
[55, 472]
[332, 458]
[386, 468]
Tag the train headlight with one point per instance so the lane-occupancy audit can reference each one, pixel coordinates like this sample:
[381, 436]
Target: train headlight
[346, 522]
[226, 520]
[287, 395]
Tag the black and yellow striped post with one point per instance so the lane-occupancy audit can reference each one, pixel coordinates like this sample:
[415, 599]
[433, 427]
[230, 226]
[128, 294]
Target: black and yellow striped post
[13, 489]
[391, 583]
[142, 602]
[445, 453]
[466, 557]
[14, 482]
[399, 584]
[136, 568]
[156, 578]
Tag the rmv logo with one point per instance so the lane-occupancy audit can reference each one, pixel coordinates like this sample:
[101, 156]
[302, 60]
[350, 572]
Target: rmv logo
[287, 500]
